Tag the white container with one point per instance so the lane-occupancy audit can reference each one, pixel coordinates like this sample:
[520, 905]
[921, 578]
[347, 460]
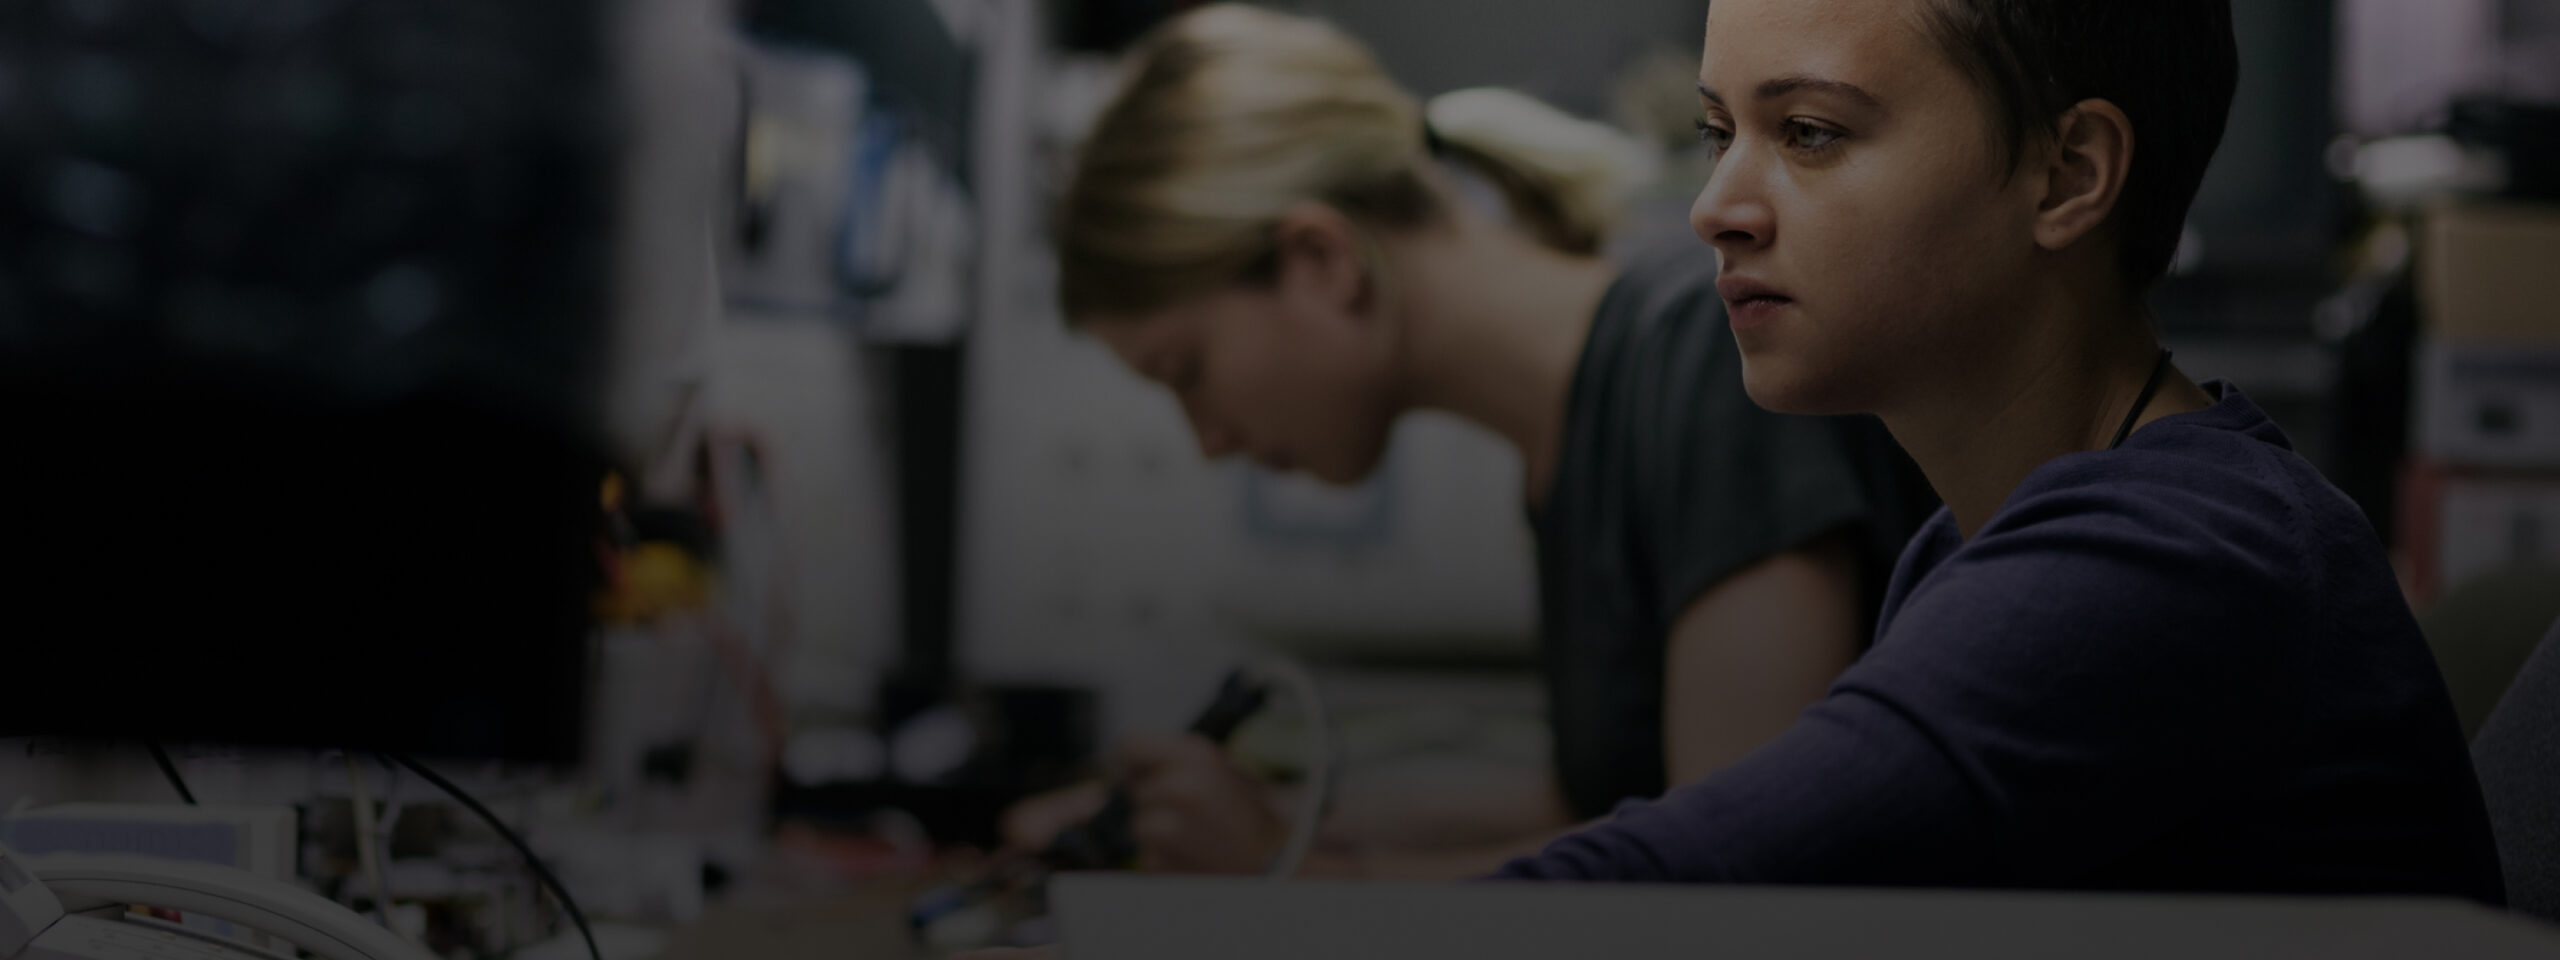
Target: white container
[2482, 404]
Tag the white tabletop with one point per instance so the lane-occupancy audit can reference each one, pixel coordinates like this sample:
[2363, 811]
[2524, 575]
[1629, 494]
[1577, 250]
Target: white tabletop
[1130, 917]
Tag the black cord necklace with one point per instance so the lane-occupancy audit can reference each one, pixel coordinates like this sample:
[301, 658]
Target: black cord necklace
[2158, 370]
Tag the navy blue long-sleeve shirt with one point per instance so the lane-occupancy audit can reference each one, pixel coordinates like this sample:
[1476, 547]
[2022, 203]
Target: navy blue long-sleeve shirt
[2183, 664]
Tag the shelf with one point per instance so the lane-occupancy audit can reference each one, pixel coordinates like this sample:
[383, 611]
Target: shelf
[905, 46]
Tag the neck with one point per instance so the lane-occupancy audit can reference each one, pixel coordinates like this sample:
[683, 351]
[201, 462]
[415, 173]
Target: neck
[2060, 380]
[1494, 331]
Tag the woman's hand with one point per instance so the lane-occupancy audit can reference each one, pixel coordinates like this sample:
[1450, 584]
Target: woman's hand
[1032, 823]
[1196, 811]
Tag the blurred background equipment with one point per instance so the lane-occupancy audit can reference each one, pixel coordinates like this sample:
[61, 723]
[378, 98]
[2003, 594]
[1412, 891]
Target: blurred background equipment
[257, 840]
[302, 314]
[312, 315]
[63, 907]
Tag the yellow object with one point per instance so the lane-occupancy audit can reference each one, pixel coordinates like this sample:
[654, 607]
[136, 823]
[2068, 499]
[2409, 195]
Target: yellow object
[658, 578]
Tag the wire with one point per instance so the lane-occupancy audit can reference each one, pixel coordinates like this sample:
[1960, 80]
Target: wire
[739, 474]
[540, 872]
[1320, 762]
[170, 770]
[368, 858]
[388, 823]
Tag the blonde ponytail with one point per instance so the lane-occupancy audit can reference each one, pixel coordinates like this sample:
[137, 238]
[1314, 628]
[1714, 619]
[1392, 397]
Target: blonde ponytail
[1228, 115]
[1565, 179]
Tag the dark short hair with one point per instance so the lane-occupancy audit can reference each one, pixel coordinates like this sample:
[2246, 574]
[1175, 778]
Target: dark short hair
[2170, 65]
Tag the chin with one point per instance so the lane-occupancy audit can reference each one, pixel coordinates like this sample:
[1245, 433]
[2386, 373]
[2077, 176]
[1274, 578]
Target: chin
[1343, 475]
[1783, 383]
[1351, 469]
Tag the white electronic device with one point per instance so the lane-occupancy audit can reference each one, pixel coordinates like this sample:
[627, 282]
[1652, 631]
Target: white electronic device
[78, 907]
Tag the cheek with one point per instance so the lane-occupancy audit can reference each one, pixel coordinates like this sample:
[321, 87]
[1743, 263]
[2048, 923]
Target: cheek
[1242, 385]
[1277, 388]
[1340, 409]
[1905, 243]
[1893, 264]
[1951, 229]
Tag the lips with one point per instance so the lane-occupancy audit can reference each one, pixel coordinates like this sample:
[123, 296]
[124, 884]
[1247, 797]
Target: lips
[1740, 289]
[1751, 302]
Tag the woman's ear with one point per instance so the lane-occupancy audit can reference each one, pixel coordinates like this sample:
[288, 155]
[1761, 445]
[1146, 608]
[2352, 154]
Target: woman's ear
[1323, 264]
[2084, 173]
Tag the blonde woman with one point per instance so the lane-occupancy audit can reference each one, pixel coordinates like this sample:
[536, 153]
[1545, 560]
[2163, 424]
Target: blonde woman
[1301, 252]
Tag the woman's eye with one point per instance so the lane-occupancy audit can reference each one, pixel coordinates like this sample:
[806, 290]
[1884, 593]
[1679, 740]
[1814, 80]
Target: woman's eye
[1806, 136]
[1714, 136]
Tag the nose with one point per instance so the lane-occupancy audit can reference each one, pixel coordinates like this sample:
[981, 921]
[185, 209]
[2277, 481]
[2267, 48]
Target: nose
[1732, 211]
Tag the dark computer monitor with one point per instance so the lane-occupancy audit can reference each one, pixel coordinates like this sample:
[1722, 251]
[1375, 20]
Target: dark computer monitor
[302, 309]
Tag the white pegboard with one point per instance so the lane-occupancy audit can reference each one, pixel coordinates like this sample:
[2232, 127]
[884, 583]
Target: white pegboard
[798, 387]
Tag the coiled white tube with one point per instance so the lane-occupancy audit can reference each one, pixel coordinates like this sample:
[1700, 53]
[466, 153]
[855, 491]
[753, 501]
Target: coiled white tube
[1301, 684]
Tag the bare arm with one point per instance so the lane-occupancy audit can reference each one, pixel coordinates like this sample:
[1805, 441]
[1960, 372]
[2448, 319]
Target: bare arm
[1753, 651]
[1744, 659]
[1198, 813]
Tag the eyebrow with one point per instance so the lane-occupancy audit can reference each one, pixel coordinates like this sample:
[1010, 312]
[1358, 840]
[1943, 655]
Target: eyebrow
[1782, 86]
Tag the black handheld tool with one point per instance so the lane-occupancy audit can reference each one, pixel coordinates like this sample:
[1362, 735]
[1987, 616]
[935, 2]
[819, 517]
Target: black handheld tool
[1105, 841]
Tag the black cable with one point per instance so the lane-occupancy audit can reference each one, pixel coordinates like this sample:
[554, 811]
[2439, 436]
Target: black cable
[540, 872]
[170, 770]
[2158, 369]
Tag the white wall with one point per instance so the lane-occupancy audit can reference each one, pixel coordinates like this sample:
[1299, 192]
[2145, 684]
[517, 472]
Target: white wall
[2402, 60]
[674, 66]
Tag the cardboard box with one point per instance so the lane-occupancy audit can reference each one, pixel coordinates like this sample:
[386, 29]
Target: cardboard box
[2490, 273]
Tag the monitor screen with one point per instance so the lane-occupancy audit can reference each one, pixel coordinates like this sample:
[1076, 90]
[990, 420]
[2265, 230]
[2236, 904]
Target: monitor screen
[301, 305]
